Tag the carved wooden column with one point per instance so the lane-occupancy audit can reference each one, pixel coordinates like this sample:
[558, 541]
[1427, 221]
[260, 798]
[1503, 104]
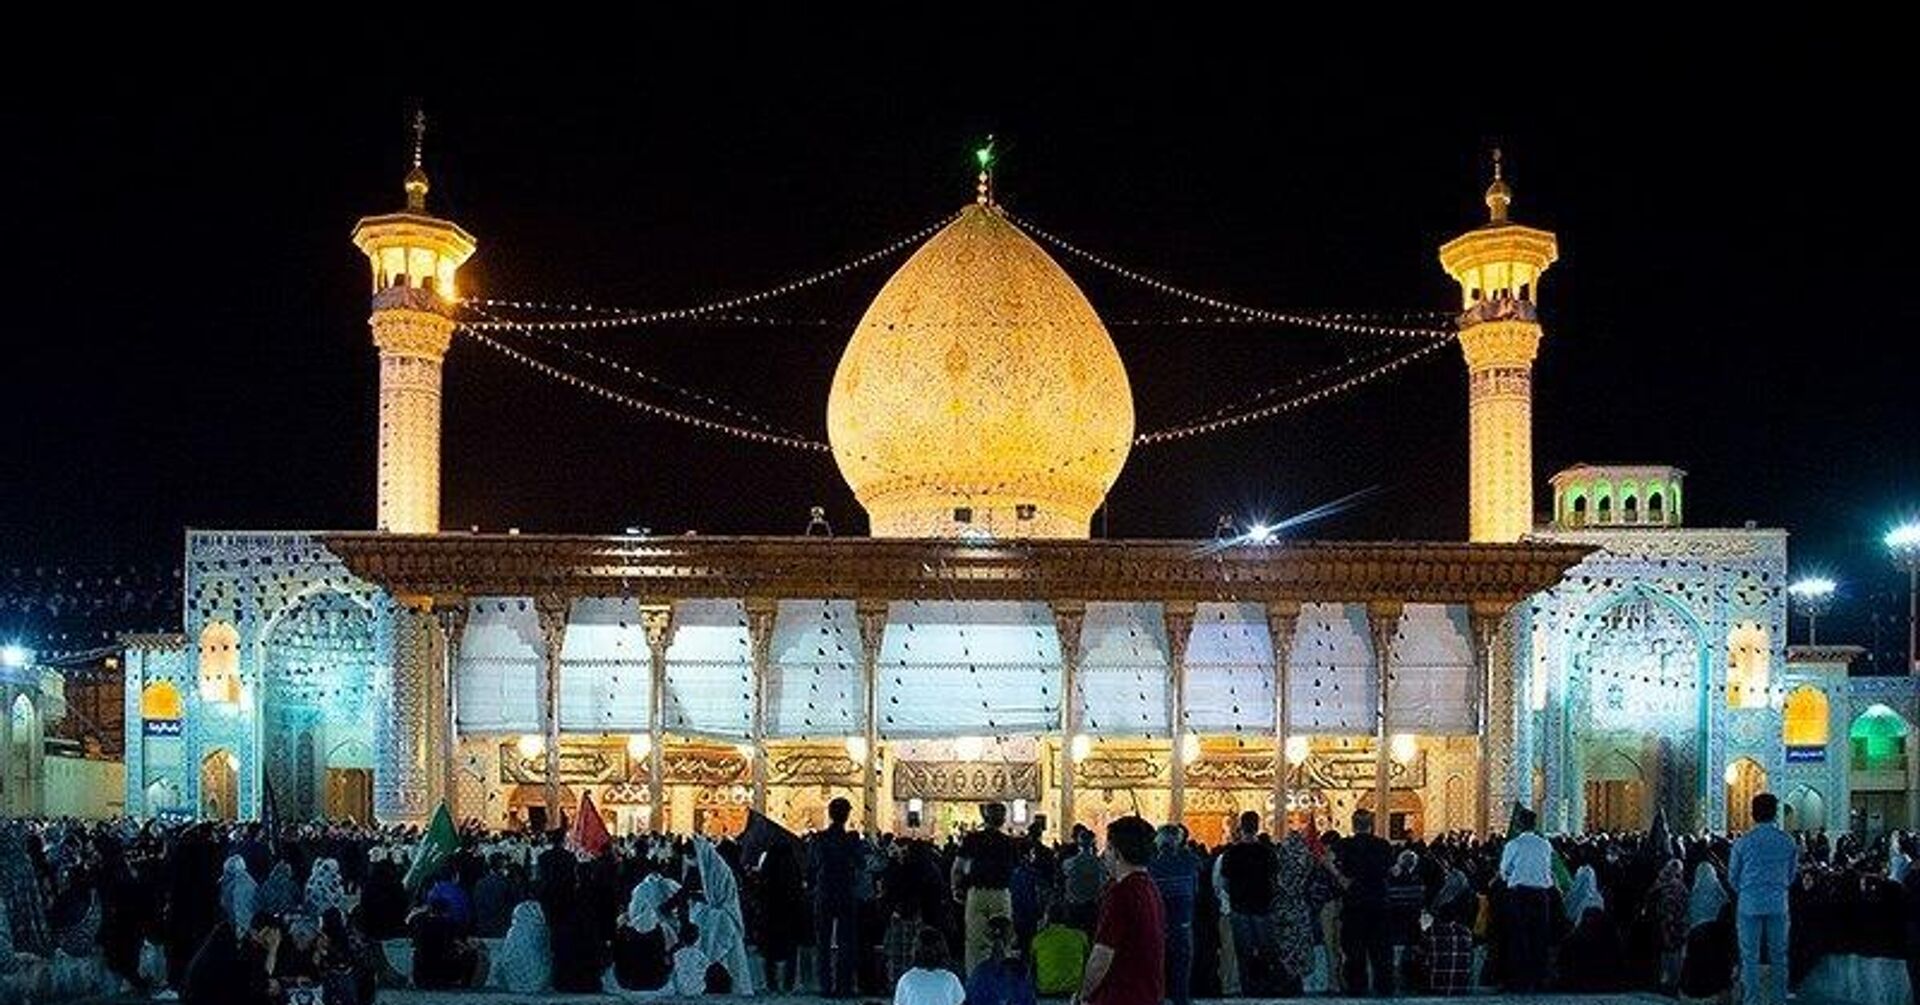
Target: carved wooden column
[400, 777]
[760, 618]
[1493, 701]
[1283, 616]
[453, 628]
[1384, 619]
[657, 619]
[1068, 617]
[872, 616]
[552, 609]
[1178, 616]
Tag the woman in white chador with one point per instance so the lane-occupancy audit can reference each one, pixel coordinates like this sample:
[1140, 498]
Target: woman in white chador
[524, 964]
[723, 933]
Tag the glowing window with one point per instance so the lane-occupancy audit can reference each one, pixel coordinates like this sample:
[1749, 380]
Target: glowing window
[160, 701]
[1804, 718]
[220, 662]
[1879, 740]
[1749, 660]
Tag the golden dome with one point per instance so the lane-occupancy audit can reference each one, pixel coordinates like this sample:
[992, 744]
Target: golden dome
[980, 393]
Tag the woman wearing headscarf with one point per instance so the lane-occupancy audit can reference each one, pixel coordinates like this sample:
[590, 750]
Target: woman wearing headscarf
[279, 894]
[524, 964]
[1706, 970]
[20, 888]
[237, 892]
[1590, 958]
[723, 934]
[643, 944]
[1292, 914]
[1667, 902]
[324, 889]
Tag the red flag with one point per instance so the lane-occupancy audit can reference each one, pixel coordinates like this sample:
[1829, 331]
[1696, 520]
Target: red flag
[589, 836]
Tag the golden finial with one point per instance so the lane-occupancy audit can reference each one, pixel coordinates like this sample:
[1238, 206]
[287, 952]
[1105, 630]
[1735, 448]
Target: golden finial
[1499, 196]
[416, 183]
[983, 191]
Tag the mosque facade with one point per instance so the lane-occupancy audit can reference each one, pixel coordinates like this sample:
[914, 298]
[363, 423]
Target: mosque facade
[1602, 665]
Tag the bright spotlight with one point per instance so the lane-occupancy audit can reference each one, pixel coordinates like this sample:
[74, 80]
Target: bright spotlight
[1259, 533]
[1904, 537]
[1812, 588]
[14, 657]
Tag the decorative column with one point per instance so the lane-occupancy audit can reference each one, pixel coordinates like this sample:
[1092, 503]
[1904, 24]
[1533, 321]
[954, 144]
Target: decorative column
[760, 618]
[1283, 616]
[401, 778]
[552, 609]
[1384, 618]
[657, 619]
[1493, 703]
[872, 616]
[1068, 617]
[1178, 616]
[453, 628]
[8, 795]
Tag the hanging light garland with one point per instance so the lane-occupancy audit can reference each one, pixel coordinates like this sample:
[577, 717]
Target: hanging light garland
[1345, 324]
[641, 375]
[624, 318]
[657, 411]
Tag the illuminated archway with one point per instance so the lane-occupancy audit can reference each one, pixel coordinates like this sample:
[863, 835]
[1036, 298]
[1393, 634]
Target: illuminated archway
[220, 785]
[1745, 779]
[1804, 809]
[1803, 718]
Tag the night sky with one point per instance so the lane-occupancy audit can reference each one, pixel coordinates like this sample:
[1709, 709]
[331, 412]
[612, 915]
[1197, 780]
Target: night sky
[189, 347]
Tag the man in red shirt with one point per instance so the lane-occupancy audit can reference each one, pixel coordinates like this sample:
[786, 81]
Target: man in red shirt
[1128, 962]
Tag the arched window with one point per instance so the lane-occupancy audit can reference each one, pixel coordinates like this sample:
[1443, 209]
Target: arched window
[1630, 510]
[1749, 661]
[1804, 718]
[1604, 510]
[1579, 509]
[1656, 507]
[220, 662]
[160, 701]
[1879, 740]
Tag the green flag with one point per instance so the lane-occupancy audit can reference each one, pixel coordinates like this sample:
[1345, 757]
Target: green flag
[436, 846]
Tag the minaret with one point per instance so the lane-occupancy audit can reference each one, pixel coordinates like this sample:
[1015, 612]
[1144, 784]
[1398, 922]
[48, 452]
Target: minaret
[1498, 267]
[414, 258]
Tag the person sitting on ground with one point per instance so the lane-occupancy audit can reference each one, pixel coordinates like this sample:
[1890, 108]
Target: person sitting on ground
[442, 957]
[690, 965]
[235, 964]
[1001, 978]
[524, 963]
[1059, 956]
[929, 982]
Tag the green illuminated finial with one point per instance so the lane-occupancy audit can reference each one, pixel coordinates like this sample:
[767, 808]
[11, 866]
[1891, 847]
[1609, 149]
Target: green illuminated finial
[983, 192]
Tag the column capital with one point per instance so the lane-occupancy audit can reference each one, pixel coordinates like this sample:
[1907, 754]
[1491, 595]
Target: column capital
[761, 613]
[870, 615]
[1484, 618]
[1068, 617]
[657, 620]
[1178, 618]
[552, 610]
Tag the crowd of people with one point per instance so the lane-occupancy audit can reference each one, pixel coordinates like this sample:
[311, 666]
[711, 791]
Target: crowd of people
[218, 913]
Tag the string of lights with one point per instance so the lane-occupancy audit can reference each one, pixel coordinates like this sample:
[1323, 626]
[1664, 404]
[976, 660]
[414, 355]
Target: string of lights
[648, 407]
[618, 318]
[1268, 411]
[1345, 324]
[641, 375]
